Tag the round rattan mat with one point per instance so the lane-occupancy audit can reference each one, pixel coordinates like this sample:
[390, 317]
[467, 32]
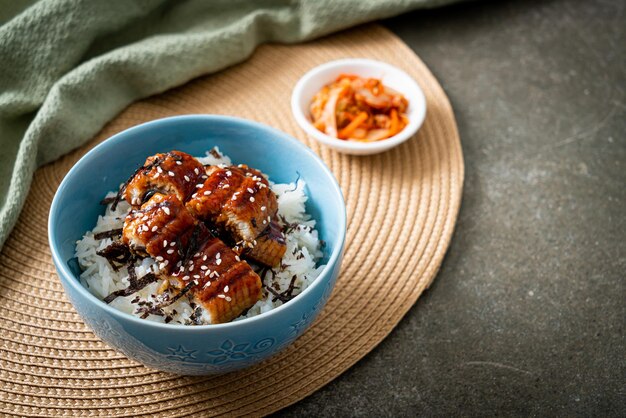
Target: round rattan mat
[402, 206]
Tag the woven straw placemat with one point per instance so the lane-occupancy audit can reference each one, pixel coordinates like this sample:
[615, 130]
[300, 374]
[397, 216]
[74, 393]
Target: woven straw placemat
[402, 206]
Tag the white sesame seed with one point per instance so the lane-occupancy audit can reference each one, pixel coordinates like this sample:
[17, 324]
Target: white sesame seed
[191, 268]
[208, 192]
[195, 170]
[159, 169]
[229, 173]
[264, 222]
[250, 190]
[221, 296]
[225, 288]
[161, 266]
[228, 298]
[154, 228]
[172, 243]
[218, 255]
[204, 176]
[159, 258]
[171, 173]
[145, 228]
[166, 262]
[187, 178]
[194, 195]
[204, 258]
[199, 185]
[237, 258]
[254, 242]
[196, 276]
[179, 163]
[226, 186]
[170, 251]
[269, 218]
[251, 199]
[218, 261]
[156, 176]
[207, 284]
[263, 208]
[204, 268]
[145, 218]
[166, 210]
[185, 278]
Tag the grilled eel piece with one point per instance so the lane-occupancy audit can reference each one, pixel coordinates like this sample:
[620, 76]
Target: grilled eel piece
[174, 172]
[223, 283]
[161, 228]
[239, 201]
[270, 246]
[188, 252]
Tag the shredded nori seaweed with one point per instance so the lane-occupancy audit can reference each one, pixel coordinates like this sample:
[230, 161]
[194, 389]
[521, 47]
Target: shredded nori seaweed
[133, 287]
[277, 296]
[292, 285]
[215, 153]
[285, 296]
[108, 234]
[193, 244]
[196, 316]
[147, 195]
[287, 227]
[117, 254]
[179, 295]
[132, 275]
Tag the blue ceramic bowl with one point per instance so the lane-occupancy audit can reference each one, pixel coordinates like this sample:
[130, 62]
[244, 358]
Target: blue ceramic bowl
[204, 349]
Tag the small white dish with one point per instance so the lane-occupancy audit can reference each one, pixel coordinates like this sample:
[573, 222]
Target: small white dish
[390, 76]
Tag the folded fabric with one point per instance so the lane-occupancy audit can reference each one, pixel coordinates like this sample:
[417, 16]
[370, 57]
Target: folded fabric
[69, 66]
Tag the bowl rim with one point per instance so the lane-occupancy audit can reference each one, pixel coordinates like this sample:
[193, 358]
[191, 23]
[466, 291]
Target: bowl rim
[68, 276]
[304, 123]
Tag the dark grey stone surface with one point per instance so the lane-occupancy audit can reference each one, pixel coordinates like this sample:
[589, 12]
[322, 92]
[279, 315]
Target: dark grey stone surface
[527, 314]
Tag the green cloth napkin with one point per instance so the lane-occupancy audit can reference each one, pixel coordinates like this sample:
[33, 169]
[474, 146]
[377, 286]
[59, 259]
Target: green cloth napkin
[69, 66]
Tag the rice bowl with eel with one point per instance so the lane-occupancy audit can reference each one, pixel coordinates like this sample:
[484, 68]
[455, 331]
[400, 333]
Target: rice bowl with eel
[199, 241]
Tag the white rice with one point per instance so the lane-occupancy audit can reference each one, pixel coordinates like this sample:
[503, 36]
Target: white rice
[300, 260]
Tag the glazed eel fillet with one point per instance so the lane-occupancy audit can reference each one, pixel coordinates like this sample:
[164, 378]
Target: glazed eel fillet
[238, 200]
[174, 173]
[191, 256]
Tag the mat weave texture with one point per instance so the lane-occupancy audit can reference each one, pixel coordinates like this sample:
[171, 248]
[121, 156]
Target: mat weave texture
[402, 206]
